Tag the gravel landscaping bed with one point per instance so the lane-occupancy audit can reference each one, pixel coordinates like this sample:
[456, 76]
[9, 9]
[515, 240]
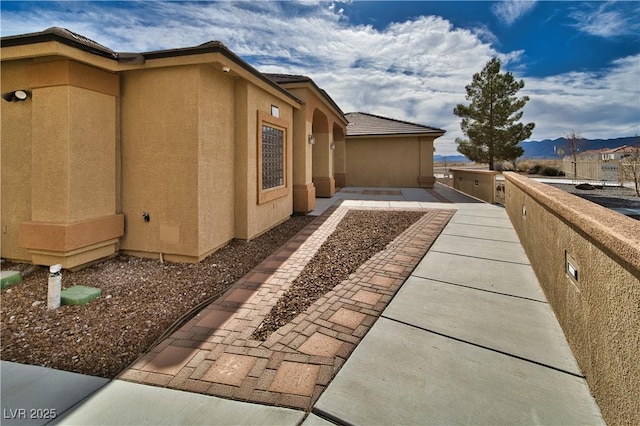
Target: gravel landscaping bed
[608, 196]
[140, 299]
[358, 236]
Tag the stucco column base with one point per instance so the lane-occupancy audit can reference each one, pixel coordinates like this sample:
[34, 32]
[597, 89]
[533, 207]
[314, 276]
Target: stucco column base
[75, 259]
[426, 181]
[304, 198]
[325, 186]
[341, 179]
[71, 244]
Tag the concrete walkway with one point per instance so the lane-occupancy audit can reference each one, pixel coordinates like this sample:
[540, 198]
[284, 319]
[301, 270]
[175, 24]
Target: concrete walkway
[468, 339]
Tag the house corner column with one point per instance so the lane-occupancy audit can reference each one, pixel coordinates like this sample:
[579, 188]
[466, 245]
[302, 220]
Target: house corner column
[73, 183]
[426, 177]
[304, 191]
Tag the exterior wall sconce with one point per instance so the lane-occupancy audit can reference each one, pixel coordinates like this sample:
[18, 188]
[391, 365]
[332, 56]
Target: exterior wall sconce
[312, 140]
[333, 146]
[226, 70]
[16, 96]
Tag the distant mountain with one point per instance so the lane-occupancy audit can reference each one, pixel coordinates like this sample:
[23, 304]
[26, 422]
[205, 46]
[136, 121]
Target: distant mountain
[451, 159]
[548, 148]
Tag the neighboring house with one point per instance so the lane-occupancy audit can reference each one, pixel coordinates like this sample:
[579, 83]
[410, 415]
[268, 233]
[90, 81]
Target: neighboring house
[597, 164]
[389, 153]
[169, 153]
[617, 153]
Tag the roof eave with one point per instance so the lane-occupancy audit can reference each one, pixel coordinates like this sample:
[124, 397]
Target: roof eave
[218, 47]
[433, 134]
[322, 94]
[53, 35]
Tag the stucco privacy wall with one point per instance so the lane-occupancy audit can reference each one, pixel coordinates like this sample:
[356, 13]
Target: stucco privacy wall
[389, 161]
[599, 310]
[477, 183]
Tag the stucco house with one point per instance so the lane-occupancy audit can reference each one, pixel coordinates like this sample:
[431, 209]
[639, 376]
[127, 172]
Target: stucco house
[618, 153]
[167, 154]
[385, 152]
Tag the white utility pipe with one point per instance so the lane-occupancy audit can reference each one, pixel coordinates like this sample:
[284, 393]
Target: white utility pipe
[55, 286]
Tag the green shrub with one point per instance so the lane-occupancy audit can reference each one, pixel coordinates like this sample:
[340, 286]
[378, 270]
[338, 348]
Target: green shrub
[535, 169]
[550, 171]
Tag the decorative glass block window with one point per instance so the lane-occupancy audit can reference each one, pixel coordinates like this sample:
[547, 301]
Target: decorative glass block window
[274, 150]
[272, 157]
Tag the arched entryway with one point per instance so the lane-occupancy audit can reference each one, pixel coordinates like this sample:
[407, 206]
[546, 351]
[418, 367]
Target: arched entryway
[322, 156]
[339, 156]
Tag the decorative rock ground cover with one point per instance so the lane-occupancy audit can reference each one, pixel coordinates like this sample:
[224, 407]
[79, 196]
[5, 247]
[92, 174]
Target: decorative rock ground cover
[214, 353]
[140, 299]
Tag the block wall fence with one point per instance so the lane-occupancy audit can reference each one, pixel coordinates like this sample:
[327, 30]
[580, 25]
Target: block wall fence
[587, 260]
[480, 184]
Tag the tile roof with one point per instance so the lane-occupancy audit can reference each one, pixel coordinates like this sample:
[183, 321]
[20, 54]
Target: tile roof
[65, 36]
[623, 148]
[62, 35]
[363, 124]
[288, 78]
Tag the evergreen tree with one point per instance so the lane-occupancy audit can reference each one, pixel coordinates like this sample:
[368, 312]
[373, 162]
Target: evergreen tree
[491, 121]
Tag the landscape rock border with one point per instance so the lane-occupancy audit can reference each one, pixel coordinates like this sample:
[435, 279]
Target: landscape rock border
[214, 353]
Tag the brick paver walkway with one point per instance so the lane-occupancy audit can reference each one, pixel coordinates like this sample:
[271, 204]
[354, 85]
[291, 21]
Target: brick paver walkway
[214, 354]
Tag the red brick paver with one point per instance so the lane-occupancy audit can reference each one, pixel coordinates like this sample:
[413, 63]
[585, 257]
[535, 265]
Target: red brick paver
[214, 354]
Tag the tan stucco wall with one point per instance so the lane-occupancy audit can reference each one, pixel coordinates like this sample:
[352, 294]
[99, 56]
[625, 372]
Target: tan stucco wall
[480, 184]
[315, 172]
[16, 160]
[388, 161]
[216, 160]
[68, 126]
[600, 312]
[254, 218]
[177, 148]
[175, 137]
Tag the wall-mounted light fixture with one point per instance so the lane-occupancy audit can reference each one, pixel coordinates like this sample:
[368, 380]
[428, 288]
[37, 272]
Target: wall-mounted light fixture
[571, 267]
[333, 146]
[226, 70]
[312, 140]
[16, 96]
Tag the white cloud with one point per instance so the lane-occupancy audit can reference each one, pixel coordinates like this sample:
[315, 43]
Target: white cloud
[510, 11]
[414, 70]
[601, 19]
[602, 105]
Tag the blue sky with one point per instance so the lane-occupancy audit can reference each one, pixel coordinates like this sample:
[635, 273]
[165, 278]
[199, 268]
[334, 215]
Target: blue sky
[407, 60]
